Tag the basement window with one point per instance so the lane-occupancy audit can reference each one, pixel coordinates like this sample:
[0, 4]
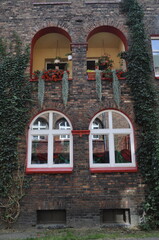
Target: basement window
[51, 216]
[115, 216]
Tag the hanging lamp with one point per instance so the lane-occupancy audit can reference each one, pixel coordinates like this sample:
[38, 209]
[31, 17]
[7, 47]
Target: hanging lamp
[57, 59]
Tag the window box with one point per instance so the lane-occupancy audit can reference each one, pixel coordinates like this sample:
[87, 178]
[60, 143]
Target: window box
[106, 75]
[49, 75]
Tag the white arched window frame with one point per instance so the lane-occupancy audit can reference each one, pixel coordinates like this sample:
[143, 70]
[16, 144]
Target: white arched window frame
[109, 134]
[51, 147]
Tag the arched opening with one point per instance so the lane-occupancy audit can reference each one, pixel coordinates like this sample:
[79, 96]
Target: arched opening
[106, 41]
[48, 45]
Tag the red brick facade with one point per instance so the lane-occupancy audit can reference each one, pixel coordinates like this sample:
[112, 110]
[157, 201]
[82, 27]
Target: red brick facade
[81, 193]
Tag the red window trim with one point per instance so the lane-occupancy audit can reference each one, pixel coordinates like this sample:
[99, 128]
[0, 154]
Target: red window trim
[80, 132]
[110, 29]
[113, 169]
[59, 80]
[106, 79]
[49, 170]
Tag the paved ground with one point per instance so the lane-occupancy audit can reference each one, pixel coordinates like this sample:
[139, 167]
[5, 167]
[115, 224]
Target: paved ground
[35, 233]
[20, 234]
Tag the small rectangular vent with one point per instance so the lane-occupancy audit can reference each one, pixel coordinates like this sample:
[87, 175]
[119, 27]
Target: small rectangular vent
[51, 216]
[115, 216]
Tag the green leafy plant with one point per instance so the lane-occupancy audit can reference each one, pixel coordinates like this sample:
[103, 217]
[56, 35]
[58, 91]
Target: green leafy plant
[14, 107]
[105, 61]
[139, 78]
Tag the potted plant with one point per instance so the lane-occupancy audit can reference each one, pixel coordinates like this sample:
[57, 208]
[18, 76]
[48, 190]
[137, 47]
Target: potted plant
[105, 62]
[91, 74]
[49, 75]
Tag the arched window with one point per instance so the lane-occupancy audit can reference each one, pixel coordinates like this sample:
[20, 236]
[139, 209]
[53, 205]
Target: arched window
[48, 151]
[112, 142]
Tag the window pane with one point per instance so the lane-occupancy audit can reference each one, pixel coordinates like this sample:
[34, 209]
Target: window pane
[122, 148]
[91, 64]
[101, 121]
[61, 150]
[41, 123]
[156, 63]
[39, 149]
[155, 44]
[100, 149]
[119, 121]
[59, 122]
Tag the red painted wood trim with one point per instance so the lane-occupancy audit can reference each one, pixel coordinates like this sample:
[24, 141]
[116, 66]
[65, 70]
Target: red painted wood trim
[109, 29]
[113, 169]
[36, 80]
[157, 77]
[49, 170]
[107, 79]
[80, 132]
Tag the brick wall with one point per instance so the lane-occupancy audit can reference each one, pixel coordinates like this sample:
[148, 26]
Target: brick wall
[81, 193]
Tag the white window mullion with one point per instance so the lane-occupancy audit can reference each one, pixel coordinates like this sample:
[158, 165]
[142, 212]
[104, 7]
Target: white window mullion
[111, 150]
[110, 120]
[29, 149]
[50, 154]
[50, 121]
[91, 149]
[71, 150]
[132, 148]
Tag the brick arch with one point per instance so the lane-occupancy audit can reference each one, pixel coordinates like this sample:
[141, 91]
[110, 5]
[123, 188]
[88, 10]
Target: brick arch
[109, 29]
[43, 32]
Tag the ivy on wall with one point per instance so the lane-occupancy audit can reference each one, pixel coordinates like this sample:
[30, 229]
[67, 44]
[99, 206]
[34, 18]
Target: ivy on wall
[140, 80]
[14, 105]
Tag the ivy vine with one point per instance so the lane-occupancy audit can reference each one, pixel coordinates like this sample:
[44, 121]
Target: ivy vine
[14, 107]
[140, 80]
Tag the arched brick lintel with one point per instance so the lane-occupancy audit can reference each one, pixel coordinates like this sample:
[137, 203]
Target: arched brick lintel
[109, 29]
[43, 32]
